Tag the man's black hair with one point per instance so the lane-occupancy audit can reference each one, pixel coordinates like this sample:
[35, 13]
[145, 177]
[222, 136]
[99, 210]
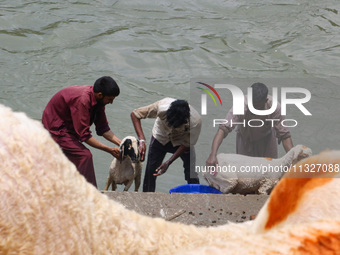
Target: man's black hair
[107, 86]
[178, 113]
[260, 92]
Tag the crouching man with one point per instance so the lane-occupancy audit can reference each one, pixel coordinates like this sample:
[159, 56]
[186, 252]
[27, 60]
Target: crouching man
[69, 115]
[176, 130]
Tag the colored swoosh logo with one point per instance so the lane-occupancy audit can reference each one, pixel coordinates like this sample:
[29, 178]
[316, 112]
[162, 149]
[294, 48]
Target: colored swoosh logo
[209, 93]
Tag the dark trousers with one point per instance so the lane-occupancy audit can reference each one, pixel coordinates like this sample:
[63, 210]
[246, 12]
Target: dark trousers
[156, 155]
[79, 155]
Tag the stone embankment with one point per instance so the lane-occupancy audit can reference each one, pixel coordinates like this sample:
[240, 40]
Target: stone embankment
[187, 208]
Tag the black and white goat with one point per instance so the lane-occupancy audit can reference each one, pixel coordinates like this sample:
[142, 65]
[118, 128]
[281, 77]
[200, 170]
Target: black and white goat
[129, 168]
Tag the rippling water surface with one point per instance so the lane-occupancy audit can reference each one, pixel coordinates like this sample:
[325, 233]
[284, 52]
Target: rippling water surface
[153, 49]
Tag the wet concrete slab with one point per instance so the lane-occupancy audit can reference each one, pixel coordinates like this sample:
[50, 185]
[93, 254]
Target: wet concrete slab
[188, 208]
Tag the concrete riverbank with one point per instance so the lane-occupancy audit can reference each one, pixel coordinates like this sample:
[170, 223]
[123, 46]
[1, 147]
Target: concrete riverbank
[187, 208]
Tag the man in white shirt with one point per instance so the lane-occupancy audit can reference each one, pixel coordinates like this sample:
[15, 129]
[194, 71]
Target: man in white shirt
[176, 130]
[254, 141]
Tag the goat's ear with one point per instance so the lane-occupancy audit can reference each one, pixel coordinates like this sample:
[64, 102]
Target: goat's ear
[121, 152]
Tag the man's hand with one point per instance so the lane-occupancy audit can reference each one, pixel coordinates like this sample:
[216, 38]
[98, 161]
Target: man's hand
[142, 150]
[139, 131]
[98, 145]
[164, 167]
[115, 152]
[161, 169]
[212, 160]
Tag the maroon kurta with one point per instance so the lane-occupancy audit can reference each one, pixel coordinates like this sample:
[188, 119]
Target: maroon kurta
[68, 117]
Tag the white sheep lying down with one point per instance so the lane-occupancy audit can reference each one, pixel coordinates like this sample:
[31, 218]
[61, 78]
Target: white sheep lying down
[248, 175]
[129, 168]
[47, 207]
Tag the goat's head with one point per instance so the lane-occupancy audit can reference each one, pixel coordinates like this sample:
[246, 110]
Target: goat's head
[301, 152]
[129, 147]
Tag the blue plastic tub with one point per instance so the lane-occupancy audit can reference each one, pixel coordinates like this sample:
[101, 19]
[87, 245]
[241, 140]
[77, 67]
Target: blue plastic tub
[194, 188]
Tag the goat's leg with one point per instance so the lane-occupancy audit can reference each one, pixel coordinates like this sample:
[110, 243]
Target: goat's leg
[108, 182]
[128, 185]
[114, 186]
[137, 182]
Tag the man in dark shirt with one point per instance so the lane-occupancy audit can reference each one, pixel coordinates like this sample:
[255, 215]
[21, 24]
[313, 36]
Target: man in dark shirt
[69, 115]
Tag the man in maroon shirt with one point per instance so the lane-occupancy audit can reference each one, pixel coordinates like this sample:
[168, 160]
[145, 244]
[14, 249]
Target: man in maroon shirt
[69, 115]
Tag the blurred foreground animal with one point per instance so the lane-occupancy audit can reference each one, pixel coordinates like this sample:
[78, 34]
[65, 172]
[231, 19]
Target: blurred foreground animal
[248, 175]
[129, 168]
[47, 207]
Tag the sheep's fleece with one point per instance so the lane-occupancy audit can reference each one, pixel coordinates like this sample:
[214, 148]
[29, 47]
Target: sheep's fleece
[47, 207]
